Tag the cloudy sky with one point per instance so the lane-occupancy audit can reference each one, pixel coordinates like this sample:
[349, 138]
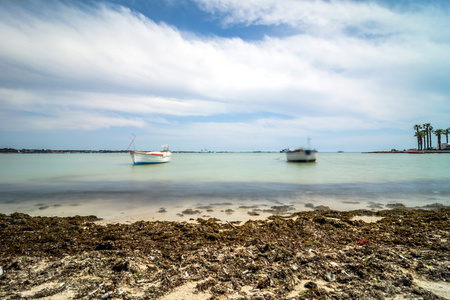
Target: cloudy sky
[222, 74]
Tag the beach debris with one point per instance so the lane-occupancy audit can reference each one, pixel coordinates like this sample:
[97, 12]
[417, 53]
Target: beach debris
[162, 210]
[249, 206]
[325, 253]
[106, 245]
[330, 277]
[395, 205]
[222, 204]
[190, 211]
[363, 242]
[318, 207]
[310, 285]
[263, 282]
[351, 202]
[374, 205]
[280, 209]
[322, 207]
[204, 207]
[434, 206]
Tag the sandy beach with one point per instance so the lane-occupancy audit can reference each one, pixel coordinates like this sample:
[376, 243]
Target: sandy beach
[114, 211]
[323, 254]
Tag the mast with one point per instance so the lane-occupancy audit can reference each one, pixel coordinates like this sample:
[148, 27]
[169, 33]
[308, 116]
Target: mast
[132, 141]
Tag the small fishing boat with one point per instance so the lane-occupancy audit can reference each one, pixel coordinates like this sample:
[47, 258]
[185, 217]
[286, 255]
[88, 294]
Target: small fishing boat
[152, 157]
[416, 152]
[301, 155]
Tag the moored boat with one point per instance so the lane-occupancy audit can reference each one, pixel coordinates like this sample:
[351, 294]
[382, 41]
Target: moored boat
[416, 152]
[301, 155]
[152, 157]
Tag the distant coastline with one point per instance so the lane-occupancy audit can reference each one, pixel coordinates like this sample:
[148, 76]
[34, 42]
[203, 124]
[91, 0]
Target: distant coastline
[68, 151]
[50, 151]
[412, 151]
[38, 151]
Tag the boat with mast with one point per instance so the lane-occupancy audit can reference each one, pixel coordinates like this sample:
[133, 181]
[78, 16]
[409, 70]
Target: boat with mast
[301, 154]
[149, 157]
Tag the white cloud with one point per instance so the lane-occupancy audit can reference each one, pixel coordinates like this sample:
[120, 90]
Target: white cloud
[349, 64]
[333, 17]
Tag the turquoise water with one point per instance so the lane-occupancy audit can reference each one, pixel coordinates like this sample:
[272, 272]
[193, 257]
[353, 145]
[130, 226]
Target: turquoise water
[339, 180]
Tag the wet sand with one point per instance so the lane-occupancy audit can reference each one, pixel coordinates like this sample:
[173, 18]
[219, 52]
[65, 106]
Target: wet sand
[113, 211]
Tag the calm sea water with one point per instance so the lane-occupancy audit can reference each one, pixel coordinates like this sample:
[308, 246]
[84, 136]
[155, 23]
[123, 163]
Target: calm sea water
[339, 180]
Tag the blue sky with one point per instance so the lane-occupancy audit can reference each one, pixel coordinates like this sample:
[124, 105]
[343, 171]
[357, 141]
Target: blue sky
[231, 75]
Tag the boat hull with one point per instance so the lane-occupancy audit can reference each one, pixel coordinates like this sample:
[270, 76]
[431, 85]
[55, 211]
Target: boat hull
[301, 155]
[155, 157]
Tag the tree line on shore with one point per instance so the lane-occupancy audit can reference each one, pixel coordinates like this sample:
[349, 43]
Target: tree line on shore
[424, 133]
[25, 151]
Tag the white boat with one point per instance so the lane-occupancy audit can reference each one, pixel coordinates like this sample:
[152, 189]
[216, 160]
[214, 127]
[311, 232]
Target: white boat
[301, 155]
[152, 157]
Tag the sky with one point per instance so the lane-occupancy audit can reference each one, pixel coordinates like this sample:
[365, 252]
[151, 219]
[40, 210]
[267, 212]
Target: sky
[222, 75]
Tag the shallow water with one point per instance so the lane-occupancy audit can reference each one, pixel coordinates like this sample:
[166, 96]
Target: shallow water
[109, 185]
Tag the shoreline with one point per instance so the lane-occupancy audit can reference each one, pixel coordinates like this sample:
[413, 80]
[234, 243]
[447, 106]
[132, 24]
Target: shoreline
[310, 254]
[111, 212]
[412, 151]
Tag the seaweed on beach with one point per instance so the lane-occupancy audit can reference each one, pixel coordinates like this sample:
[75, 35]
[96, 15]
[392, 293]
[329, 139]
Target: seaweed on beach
[320, 254]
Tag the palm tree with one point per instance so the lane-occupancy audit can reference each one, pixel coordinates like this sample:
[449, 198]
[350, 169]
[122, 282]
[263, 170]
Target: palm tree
[419, 139]
[426, 127]
[438, 133]
[420, 136]
[430, 131]
[446, 132]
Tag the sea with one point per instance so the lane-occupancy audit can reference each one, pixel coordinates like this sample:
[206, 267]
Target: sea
[222, 185]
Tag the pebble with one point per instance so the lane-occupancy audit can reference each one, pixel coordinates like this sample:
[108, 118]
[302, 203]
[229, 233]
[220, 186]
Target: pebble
[330, 277]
